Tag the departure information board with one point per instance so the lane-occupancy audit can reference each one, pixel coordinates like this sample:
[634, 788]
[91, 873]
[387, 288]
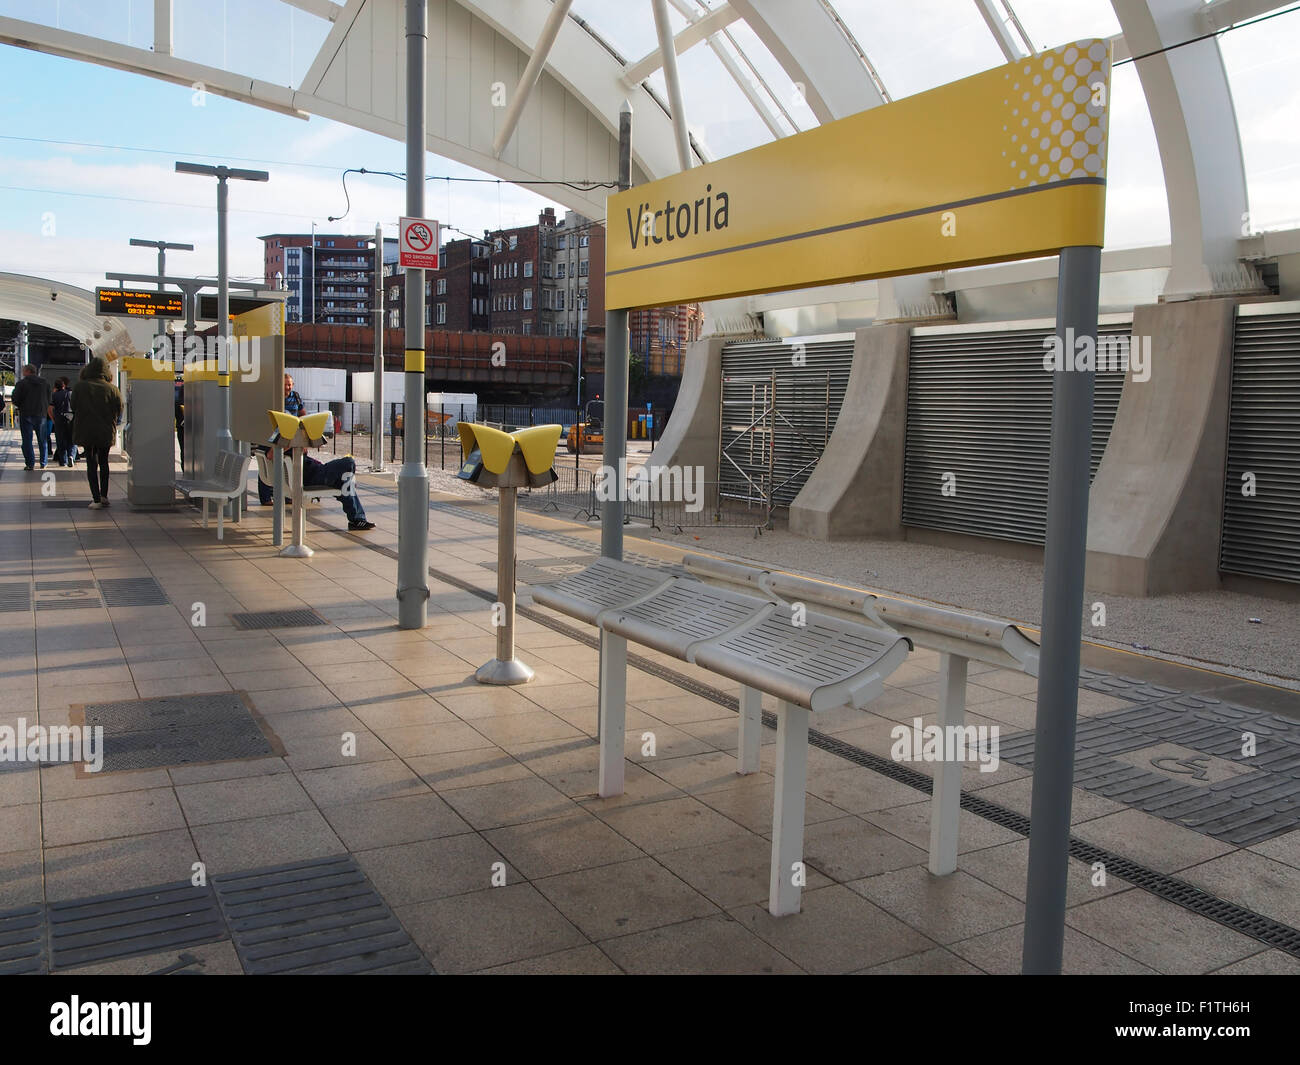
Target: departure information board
[139, 303]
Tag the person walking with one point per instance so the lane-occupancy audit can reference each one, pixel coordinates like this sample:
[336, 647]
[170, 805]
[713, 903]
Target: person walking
[96, 407]
[61, 412]
[31, 400]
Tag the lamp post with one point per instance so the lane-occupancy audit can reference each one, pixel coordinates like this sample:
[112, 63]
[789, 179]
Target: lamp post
[225, 442]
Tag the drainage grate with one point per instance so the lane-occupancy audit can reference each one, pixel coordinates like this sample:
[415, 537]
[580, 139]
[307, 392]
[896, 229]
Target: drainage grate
[22, 941]
[15, 597]
[277, 619]
[132, 591]
[177, 730]
[320, 916]
[143, 921]
[62, 586]
[64, 503]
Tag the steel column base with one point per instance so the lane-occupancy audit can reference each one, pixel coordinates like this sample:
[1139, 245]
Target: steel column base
[497, 671]
[297, 551]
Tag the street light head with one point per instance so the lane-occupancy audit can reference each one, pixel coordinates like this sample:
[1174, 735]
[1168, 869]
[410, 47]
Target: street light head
[197, 168]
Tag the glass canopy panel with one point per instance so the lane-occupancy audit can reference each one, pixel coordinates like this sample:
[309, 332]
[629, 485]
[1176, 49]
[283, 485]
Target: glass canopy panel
[1054, 22]
[628, 26]
[778, 81]
[921, 44]
[263, 39]
[128, 22]
[717, 111]
[1261, 64]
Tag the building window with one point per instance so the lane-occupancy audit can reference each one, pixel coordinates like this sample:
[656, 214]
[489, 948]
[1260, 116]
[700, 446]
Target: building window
[394, 319]
[514, 241]
[560, 243]
[559, 299]
[559, 269]
[528, 327]
[528, 299]
[583, 240]
[442, 286]
[442, 314]
[528, 268]
[582, 268]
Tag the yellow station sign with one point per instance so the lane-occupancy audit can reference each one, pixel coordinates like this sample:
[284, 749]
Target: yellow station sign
[1008, 164]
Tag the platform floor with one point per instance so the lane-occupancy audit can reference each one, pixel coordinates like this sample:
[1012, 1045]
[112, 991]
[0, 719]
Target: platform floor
[393, 850]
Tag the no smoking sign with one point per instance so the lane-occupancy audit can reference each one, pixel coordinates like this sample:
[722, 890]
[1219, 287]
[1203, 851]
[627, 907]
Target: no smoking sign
[418, 246]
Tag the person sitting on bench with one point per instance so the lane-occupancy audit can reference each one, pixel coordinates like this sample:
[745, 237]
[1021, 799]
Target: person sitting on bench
[338, 473]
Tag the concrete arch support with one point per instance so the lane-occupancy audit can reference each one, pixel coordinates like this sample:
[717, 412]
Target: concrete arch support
[1200, 148]
[857, 487]
[1156, 512]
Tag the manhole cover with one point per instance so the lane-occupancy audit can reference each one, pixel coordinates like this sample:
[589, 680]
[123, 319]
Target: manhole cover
[320, 916]
[177, 730]
[277, 619]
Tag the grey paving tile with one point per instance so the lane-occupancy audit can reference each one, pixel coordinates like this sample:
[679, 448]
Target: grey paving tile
[935, 962]
[1265, 963]
[837, 931]
[21, 882]
[1159, 934]
[464, 933]
[384, 822]
[564, 844]
[716, 944]
[509, 802]
[849, 848]
[435, 868]
[1151, 841]
[233, 846]
[669, 824]
[1000, 953]
[233, 800]
[912, 823]
[1006, 868]
[631, 896]
[750, 804]
[1251, 880]
[468, 769]
[731, 873]
[128, 813]
[83, 869]
[945, 908]
[576, 961]
[361, 782]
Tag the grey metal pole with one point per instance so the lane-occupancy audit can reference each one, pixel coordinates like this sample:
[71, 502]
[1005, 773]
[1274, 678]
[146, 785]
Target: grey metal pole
[413, 481]
[616, 359]
[277, 496]
[377, 458]
[225, 442]
[1063, 572]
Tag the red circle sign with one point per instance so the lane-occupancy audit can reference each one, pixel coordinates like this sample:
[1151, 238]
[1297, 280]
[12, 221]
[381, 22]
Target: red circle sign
[419, 237]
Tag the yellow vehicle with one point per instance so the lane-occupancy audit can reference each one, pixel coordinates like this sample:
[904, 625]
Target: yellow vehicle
[591, 431]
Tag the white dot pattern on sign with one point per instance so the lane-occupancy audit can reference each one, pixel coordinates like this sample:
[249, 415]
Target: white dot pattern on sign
[1072, 127]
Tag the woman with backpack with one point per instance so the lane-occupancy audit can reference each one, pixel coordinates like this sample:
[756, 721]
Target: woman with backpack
[61, 412]
[97, 406]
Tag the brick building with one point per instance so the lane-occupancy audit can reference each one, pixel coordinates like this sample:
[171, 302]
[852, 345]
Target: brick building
[330, 276]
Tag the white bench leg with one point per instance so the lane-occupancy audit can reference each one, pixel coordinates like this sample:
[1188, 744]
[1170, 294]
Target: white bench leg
[221, 519]
[784, 887]
[205, 512]
[945, 802]
[751, 730]
[613, 712]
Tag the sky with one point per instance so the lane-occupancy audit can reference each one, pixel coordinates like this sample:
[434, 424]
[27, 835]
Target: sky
[87, 153]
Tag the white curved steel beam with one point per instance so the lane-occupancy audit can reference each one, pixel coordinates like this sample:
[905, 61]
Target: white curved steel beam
[1187, 92]
[64, 308]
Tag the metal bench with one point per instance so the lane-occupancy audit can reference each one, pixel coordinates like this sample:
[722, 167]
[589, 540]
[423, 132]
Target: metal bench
[228, 482]
[266, 474]
[959, 637]
[821, 663]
